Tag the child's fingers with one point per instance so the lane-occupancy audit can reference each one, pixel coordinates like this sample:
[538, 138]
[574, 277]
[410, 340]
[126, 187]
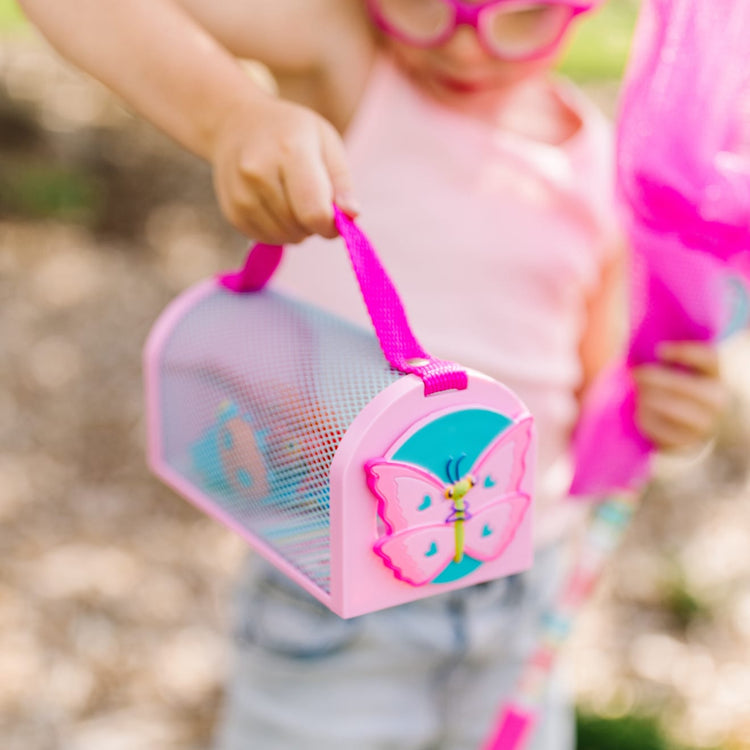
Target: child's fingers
[665, 434]
[677, 409]
[257, 195]
[249, 211]
[261, 228]
[337, 165]
[697, 356]
[695, 419]
[308, 187]
[274, 202]
[702, 389]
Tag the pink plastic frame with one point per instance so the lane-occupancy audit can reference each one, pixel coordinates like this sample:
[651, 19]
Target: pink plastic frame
[360, 582]
[477, 15]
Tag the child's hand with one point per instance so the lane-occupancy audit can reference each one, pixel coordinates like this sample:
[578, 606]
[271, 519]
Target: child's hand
[680, 399]
[278, 167]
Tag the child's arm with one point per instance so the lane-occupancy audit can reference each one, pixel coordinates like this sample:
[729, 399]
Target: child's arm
[277, 166]
[606, 329]
[679, 399]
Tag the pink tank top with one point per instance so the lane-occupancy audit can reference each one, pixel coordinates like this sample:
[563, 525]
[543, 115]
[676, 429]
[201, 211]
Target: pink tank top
[494, 242]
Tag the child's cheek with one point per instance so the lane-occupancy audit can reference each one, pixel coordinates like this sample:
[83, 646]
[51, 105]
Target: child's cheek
[512, 73]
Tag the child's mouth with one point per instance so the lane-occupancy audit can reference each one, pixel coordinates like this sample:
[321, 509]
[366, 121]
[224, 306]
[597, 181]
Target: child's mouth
[460, 85]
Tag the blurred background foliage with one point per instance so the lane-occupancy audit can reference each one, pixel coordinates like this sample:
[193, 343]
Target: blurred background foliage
[112, 613]
[10, 15]
[600, 44]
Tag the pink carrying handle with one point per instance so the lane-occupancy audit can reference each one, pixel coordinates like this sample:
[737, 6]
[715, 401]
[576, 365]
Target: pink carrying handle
[399, 345]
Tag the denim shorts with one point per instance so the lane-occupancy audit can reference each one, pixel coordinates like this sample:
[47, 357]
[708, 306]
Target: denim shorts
[429, 675]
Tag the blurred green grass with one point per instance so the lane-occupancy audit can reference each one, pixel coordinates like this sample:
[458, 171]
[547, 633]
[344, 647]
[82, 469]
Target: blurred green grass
[631, 732]
[600, 44]
[636, 731]
[35, 189]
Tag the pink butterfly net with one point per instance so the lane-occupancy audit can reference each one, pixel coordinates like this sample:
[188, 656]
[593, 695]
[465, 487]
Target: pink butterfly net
[684, 182]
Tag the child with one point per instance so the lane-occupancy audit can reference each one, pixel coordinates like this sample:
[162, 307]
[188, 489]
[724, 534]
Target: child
[486, 186]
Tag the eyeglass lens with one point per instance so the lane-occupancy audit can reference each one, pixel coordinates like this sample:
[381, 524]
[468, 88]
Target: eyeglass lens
[516, 31]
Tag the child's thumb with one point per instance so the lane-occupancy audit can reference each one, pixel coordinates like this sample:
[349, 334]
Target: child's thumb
[337, 165]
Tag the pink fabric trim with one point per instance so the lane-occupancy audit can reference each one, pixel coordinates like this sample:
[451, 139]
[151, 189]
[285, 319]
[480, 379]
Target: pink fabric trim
[155, 344]
[255, 274]
[513, 729]
[399, 345]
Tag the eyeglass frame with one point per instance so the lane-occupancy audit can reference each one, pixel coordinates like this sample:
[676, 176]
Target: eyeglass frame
[470, 14]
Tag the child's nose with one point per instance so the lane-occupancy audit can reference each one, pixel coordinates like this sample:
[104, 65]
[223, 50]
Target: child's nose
[464, 47]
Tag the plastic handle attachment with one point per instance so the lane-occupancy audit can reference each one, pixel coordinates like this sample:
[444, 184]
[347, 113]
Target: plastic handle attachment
[399, 345]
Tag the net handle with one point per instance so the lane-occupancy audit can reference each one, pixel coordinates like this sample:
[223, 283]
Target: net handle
[399, 345]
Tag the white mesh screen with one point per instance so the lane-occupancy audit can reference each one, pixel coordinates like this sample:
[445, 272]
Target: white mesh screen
[256, 391]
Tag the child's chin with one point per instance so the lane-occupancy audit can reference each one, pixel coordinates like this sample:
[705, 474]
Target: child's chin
[460, 92]
[500, 82]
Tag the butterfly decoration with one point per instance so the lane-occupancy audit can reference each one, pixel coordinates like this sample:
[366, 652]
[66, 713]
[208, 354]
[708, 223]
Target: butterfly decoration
[430, 524]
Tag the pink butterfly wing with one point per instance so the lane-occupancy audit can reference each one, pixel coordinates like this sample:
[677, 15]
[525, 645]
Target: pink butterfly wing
[489, 531]
[408, 496]
[500, 469]
[418, 555]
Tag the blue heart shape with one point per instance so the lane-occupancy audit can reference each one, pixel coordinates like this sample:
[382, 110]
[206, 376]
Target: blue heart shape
[489, 482]
[486, 531]
[432, 551]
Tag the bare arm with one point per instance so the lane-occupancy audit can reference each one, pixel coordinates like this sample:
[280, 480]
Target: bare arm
[151, 53]
[277, 166]
[319, 51]
[606, 328]
[289, 36]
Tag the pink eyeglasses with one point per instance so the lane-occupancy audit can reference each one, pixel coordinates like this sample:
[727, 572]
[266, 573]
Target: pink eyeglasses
[513, 30]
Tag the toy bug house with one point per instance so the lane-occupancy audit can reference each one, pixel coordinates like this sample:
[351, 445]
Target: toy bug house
[370, 480]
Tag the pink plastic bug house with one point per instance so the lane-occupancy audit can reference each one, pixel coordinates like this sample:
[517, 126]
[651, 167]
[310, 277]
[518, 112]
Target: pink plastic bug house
[369, 480]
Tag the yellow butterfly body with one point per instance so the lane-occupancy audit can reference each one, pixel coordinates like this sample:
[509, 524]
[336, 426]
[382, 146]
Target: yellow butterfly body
[456, 493]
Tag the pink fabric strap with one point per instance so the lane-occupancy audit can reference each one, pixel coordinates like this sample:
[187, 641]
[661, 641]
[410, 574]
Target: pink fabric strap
[513, 729]
[399, 345]
[260, 264]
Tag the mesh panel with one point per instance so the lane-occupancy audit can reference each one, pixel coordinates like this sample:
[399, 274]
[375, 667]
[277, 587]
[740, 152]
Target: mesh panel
[256, 392]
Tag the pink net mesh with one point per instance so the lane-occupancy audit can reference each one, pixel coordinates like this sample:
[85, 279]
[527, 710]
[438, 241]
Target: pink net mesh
[256, 392]
[684, 183]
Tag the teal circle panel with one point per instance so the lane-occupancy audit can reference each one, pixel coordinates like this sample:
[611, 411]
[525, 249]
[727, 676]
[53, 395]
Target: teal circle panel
[467, 432]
